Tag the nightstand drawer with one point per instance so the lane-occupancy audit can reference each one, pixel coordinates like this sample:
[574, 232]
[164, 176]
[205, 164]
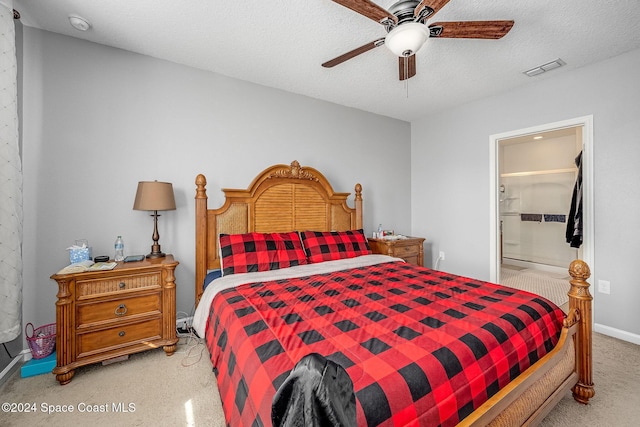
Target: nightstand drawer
[405, 251]
[116, 309]
[409, 249]
[119, 336]
[411, 259]
[96, 287]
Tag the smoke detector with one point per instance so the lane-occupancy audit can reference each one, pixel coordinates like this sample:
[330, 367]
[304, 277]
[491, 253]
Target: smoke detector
[79, 23]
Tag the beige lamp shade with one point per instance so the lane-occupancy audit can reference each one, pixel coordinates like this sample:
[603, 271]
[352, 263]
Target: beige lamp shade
[154, 196]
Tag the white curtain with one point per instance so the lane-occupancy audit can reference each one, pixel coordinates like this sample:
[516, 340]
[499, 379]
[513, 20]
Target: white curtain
[10, 183]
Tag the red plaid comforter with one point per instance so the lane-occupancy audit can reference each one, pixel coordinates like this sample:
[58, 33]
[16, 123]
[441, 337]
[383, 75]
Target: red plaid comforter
[418, 344]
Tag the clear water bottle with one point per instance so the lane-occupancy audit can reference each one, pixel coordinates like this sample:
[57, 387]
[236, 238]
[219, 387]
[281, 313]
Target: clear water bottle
[119, 245]
[380, 233]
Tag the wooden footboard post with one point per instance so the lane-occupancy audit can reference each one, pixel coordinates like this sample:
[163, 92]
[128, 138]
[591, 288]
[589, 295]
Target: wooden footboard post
[580, 301]
[201, 234]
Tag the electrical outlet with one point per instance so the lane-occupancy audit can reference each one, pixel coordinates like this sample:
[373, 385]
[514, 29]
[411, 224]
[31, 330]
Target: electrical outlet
[442, 255]
[604, 286]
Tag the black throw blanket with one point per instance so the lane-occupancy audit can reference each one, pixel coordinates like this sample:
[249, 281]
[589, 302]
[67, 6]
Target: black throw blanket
[317, 392]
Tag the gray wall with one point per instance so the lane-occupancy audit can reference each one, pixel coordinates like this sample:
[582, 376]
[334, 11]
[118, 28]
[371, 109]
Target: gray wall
[450, 176]
[97, 120]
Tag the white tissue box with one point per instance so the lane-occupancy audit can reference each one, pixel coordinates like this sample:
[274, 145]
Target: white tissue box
[79, 254]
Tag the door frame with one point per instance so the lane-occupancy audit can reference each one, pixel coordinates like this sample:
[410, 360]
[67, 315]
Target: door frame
[586, 122]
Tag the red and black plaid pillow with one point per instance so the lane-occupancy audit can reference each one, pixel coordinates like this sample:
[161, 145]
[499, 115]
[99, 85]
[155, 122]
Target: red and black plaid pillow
[251, 252]
[331, 245]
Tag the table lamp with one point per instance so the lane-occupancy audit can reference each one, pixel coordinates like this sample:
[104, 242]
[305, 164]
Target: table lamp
[154, 196]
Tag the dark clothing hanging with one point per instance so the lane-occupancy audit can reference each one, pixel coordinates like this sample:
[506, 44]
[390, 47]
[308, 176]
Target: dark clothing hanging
[317, 393]
[574, 220]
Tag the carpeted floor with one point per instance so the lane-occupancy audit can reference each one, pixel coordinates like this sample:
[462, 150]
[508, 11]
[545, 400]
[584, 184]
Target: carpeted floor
[181, 391]
[552, 286]
[148, 389]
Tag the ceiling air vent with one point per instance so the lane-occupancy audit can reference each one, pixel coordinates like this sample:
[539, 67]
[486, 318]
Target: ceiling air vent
[545, 67]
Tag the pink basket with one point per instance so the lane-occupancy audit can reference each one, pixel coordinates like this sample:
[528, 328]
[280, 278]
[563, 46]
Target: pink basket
[42, 340]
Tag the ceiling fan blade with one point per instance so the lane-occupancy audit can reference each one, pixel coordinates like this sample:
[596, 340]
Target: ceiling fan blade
[355, 52]
[436, 5]
[407, 66]
[368, 9]
[472, 29]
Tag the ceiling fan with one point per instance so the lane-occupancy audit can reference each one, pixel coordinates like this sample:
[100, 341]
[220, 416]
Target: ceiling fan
[407, 31]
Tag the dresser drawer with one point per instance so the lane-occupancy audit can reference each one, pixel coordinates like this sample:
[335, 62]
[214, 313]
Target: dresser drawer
[119, 336]
[116, 309]
[89, 288]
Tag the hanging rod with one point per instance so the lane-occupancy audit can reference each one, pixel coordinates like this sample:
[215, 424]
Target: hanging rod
[543, 172]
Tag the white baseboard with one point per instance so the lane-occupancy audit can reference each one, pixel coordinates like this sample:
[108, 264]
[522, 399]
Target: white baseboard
[14, 365]
[617, 333]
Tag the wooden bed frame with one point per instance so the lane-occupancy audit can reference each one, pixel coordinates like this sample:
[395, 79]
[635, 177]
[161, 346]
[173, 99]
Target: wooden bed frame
[290, 197]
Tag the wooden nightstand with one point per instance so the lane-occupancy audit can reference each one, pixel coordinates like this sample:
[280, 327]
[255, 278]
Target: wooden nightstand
[410, 249]
[101, 315]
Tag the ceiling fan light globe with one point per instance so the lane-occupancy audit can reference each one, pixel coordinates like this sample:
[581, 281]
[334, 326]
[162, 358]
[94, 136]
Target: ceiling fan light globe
[407, 39]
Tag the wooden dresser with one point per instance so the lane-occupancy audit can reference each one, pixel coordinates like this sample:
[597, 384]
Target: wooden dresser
[410, 249]
[101, 315]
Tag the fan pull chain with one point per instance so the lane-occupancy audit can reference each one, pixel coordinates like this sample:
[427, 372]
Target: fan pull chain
[406, 74]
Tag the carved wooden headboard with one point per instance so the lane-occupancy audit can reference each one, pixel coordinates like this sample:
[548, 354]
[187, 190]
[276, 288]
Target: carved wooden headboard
[281, 198]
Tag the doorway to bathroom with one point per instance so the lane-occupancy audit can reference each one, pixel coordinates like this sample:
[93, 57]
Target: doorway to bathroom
[537, 176]
[533, 178]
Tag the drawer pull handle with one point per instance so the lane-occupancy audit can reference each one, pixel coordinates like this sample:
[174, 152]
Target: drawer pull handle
[121, 310]
[121, 333]
[122, 285]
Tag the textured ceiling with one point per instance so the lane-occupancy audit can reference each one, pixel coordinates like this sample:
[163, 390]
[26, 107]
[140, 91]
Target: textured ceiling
[281, 44]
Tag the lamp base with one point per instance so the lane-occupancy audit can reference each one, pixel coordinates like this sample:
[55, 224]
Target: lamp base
[156, 252]
[153, 255]
[155, 248]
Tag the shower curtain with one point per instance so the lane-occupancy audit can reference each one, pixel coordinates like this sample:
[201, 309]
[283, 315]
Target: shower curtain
[10, 183]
